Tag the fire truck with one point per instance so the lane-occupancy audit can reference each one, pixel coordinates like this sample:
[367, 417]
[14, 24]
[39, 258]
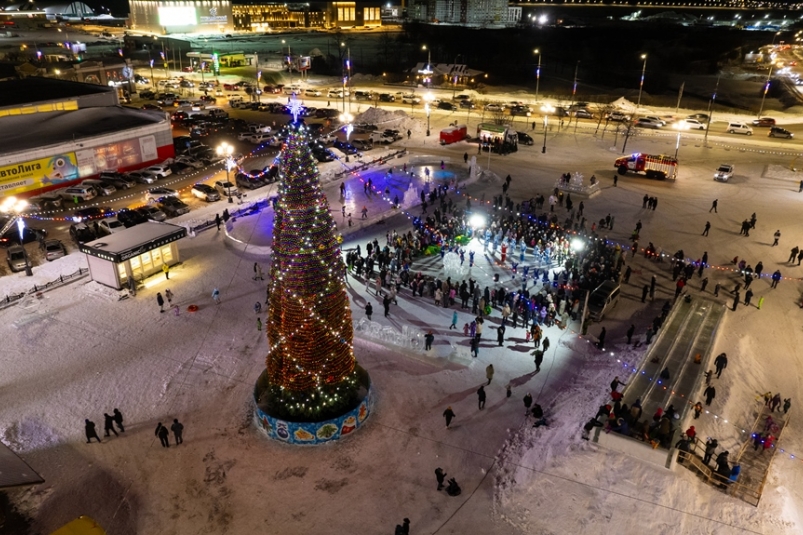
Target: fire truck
[653, 166]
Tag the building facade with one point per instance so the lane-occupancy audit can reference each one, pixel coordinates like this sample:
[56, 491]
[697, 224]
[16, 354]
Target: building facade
[479, 13]
[183, 16]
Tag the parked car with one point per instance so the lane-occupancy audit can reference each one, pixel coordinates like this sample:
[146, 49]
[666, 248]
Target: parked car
[226, 188]
[16, 258]
[154, 194]
[118, 181]
[172, 206]
[764, 121]
[702, 117]
[448, 106]
[723, 173]
[520, 110]
[344, 147]
[152, 107]
[79, 193]
[52, 249]
[160, 171]
[323, 154]
[386, 97]
[189, 160]
[205, 192]
[12, 235]
[493, 107]
[104, 189]
[143, 177]
[44, 202]
[151, 213]
[337, 93]
[411, 98]
[777, 131]
[82, 233]
[313, 93]
[656, 119]
[130, 218]
[583, 114]
[362, 144]
[110, 225]
[618, 117]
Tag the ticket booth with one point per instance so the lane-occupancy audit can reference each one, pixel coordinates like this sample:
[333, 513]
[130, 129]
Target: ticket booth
[134, 253]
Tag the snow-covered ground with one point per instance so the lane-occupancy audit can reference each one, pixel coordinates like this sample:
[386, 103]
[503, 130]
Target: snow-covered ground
[79, 352]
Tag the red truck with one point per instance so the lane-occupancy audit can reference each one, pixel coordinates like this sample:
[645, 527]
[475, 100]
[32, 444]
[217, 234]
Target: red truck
[654, 166]
[453, 134]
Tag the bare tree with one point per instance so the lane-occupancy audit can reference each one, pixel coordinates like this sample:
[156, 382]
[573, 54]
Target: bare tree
[602, 111]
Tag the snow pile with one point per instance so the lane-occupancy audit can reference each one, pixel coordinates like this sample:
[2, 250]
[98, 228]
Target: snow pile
[782, 172]
[398, 120]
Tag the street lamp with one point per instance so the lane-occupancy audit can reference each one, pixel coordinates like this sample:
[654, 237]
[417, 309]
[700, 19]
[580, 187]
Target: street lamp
[680, 127]
[641, 84]
[428, 108]
[427, 71]
[347, 118]
[225, 150]
[537, 74]
[547, 109]
[12, 205]
[766, 89]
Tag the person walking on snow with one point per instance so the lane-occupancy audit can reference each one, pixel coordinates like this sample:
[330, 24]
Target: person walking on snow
[118, 419]
[166, 270]
[178, 429]
[454, 321]
[163, 434]
[528, 401]
[707, 228]
[777, 237]
[489, 372]
[776, 278]
[216, 296]
[440, 475]
[615, 383]
[108, 425]
[160, 301]
[698, 408]
[630, 333]
[545, 344]
[714, 206]
[601, 339]
[539, 358]
[481, 397]
[721, 362]
[710, 393]
[169, 296]
[89, 430]
[449, 415]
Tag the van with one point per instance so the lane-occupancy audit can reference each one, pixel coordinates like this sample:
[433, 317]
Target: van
[294, 89]
[82, 193]
[739, 128]
[362, 95]
[235, 101]
[603, 299]
[100, 187]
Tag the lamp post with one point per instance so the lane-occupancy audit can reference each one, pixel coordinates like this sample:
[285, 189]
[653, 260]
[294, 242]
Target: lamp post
[347, 118]
[14, 206]
[427, 71]
[547, 109]
[537, 74]
[225, 150]
[680, 127]
[766, 89]
[428, 109]
[153, 82]
[641, 83]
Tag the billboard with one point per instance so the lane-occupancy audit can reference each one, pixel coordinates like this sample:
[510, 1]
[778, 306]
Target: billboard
[177, 16]
[114, 156]
[214, 15]
[35, 174]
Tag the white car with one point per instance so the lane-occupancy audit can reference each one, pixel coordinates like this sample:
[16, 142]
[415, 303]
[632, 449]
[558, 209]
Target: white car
[155, 194]
[313, 93]
[646, 122]
[337, 93]
[259, 138]
[410, 98]
[493, 107]
[110, 225]
[226, 188]
[655, 119]
[724, 173]
[205, 192]
[244, 136]
[693, 124]
[161, 171]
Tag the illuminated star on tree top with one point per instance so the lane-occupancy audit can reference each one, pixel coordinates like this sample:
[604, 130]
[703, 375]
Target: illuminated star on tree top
[295, 108]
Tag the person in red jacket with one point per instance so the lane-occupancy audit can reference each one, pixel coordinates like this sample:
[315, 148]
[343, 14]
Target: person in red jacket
[690, 432]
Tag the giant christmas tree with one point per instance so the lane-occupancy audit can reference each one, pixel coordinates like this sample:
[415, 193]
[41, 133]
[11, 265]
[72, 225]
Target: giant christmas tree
[311, 373]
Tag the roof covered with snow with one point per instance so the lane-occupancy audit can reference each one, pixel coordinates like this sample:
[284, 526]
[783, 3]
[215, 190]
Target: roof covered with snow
[133, 241]
[26, 132]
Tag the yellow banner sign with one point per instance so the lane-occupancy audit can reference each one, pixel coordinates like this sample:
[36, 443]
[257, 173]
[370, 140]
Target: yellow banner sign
[35, 174]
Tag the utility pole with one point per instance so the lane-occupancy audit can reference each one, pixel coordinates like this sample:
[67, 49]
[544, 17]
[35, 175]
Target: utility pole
[766, 88]
[710, 112]
[574, 92]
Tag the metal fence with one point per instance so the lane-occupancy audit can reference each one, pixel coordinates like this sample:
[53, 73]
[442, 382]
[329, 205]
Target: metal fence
[13, 299]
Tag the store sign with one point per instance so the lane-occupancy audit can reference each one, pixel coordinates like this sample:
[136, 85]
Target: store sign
[34, 174]
[177, 16]
[213, 17]
[114, 156]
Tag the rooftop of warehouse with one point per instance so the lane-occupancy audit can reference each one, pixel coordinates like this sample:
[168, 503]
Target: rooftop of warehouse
[26, 132]
[36, 89]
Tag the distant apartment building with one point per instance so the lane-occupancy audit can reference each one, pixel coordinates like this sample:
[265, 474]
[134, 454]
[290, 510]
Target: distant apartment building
[481, 13]
[264, 16]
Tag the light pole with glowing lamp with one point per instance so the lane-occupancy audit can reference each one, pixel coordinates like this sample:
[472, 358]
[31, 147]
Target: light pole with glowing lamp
[537, 74]
[428, 108]
[766, 89]
[225, 150]
[14, 206]
[347, 118]
[546, 109]
[641, 83]
[427, 70]
[680, 127]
